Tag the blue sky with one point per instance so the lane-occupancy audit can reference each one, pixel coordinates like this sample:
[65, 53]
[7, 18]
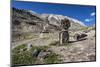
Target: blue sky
[86, 14]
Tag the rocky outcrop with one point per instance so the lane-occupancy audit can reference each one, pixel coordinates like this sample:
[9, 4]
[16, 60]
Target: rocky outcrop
[25, 22]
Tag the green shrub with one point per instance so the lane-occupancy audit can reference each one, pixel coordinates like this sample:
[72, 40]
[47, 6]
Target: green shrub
[39, 48]
[22, 57]
[18, 48]
[25, 57]
[52, 58]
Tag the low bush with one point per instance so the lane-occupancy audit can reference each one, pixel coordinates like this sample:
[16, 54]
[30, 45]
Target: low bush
[21, 56]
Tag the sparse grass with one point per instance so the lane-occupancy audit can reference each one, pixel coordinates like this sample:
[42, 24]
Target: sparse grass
[67, 44]
[22, 57]
[45, 37]
[55, 43]
[18, 48]
[27, 36]
[39, 48]
[52, 58]
[25, 57]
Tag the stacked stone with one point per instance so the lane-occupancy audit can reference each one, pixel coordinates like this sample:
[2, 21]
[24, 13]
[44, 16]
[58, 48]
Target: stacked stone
[64, 34]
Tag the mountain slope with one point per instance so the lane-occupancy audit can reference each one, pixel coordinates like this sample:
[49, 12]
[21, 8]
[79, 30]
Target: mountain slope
[26, 22]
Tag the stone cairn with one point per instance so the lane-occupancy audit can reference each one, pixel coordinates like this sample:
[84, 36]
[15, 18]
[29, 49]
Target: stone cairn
[64, 34]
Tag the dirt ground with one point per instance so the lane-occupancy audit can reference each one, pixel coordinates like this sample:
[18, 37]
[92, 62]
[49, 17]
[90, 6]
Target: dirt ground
[74, 51]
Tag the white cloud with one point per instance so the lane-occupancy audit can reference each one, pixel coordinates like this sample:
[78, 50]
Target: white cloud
[92, 14]
[88, 20]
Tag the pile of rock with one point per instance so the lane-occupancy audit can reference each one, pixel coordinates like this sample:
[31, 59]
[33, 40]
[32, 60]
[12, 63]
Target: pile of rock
[41, 53]
[80, 36]
[64, 34]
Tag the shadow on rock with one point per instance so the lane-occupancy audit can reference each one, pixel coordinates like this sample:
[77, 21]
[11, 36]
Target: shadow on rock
[77, 40]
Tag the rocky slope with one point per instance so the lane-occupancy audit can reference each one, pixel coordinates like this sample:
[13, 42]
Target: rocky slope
[29, 27]
[26, 22]
[29, 21]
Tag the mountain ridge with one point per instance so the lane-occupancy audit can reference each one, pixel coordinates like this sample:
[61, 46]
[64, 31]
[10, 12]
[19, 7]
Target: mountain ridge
[27, 21]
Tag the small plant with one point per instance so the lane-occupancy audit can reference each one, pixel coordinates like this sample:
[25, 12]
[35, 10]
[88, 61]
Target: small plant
[23, 58]
[18, 48]
[20, 55]
[52, 58]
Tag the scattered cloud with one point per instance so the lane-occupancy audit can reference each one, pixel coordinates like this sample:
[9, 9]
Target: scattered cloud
[92, 14]
[91, 17]
[88, 20]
